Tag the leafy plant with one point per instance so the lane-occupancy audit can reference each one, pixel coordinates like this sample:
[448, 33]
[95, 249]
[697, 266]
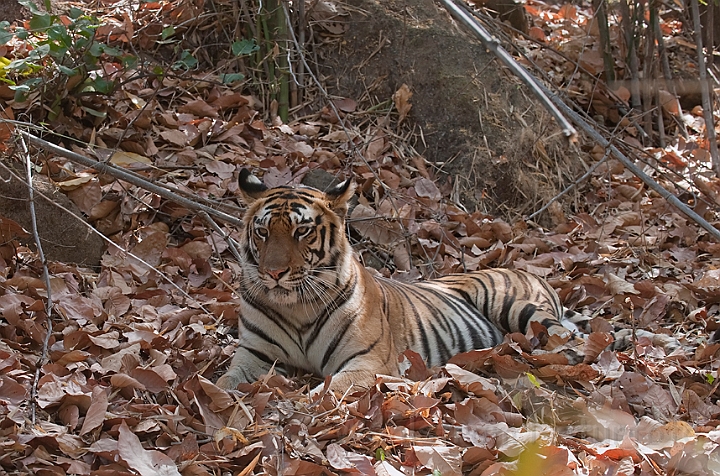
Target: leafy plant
[64, 56]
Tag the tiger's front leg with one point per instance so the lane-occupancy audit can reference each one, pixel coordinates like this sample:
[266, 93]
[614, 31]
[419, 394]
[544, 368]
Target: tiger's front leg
[245, 367]
[352, 380]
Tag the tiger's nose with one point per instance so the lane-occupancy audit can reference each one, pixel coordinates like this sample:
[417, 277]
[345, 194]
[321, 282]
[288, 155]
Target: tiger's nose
[276, 273]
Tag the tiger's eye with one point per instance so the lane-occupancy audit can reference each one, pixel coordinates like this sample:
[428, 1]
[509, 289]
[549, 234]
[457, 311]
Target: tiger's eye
[261, 232]
[302, 231]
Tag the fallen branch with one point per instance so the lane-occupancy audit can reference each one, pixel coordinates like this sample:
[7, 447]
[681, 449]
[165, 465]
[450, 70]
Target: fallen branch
[666, 194]
[13, 175]
[493, 45]
[563, 108]
[577, 182]
[117, 172]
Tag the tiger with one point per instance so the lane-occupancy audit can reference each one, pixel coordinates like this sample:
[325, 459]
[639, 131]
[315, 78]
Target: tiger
[307, 302]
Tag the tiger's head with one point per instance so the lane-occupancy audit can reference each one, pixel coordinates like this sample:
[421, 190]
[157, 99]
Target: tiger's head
[293, 243]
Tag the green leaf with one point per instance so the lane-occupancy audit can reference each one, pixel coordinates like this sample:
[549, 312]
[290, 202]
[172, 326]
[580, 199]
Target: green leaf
[380, 454]
[231, 77]
[23, 66]
[30, 5]
[67, 71]
[85, 29]
[436, 472]
[187, 61]
[41, 22]
[709, 378]
[5, 34]
[19, 65]
[93, 112]
[100, 85]
[75, 13]
[22, 90]
[167, 32]
[110, 51]
[38, 53]
[81, 43]
[533, 380]
[21, 33]
[59, 33]
[129, 61]
[95, 49]
[244, 47]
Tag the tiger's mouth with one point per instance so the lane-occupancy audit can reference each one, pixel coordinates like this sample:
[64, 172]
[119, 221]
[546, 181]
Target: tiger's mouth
[285, 283]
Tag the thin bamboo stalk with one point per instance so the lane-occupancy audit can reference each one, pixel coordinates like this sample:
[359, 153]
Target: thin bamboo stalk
[705, 89]
[600, 7]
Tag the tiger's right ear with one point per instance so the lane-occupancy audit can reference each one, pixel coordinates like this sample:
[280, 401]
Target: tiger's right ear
[339, 195]
[251, 187]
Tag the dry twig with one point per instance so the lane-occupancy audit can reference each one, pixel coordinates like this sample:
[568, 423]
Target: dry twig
[46, 277]
[672, 199]
[112, 243]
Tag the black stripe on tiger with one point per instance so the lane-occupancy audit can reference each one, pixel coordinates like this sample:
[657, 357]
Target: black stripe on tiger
[250, 327]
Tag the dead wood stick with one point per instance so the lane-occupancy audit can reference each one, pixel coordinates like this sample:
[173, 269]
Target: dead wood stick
[704, 89]
[629, 32]
[595, 135]
[130, 254]
[129, 177]
[601, 17]
[46, 277]
[666, 194]
[493, 45]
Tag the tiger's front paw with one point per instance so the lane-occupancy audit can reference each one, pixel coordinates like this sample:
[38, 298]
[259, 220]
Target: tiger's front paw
[229, 381]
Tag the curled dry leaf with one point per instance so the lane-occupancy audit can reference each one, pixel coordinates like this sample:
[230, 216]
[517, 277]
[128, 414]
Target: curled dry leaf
[444, 459]
[11, 230]
[373, 227]
[427, 188]
[595, 343]
[145, 462]
[95, 415]
[401, 98]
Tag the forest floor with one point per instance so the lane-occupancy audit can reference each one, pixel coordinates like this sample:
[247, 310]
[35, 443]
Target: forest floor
[137, 341]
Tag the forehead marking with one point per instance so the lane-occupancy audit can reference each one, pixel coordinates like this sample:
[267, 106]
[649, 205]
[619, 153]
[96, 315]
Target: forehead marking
[291, 206]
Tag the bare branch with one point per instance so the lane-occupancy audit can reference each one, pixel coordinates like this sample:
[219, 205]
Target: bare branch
[492, 44]
[46, 277]
[129, 177]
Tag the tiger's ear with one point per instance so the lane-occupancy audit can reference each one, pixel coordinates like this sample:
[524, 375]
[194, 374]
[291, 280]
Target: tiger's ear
[251, 187]
[339, 195]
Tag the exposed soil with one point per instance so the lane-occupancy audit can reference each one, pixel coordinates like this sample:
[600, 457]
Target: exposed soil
[64, 238]
[11, 11]
[475, 121]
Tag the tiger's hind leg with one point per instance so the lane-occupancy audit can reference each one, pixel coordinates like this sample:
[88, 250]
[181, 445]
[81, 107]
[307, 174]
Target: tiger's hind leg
[523, 313]
[623, 338]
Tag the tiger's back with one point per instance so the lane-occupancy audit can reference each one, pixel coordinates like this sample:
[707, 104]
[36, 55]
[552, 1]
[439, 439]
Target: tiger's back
[307, 302]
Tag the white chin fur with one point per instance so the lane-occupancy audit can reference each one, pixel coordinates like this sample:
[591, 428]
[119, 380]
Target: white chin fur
[283, 296]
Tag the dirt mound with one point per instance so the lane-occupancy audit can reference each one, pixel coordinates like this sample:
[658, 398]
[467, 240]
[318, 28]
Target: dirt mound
[64, 238]
[476, 122]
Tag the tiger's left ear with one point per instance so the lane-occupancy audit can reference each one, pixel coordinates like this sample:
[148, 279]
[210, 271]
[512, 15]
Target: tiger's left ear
[339, 195]
[251, 187]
